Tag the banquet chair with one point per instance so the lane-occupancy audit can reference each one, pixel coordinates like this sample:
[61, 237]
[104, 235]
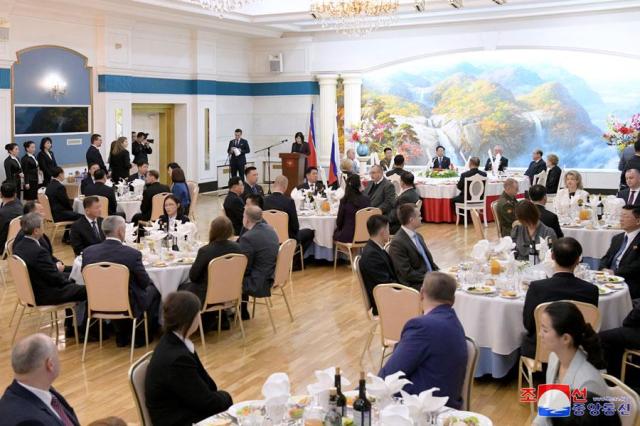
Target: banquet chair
[419, 206]
[279, 220]
[194, 193]
[73, 190]
[14, 228]
[396, 304]
[48, 216]
[360, 235]
[223, 293]
[281, 278]
[477, 225]
[496, 218]
[473, 353]
[137, 375]
[475, 195]
[627, 359]
[540, 178]
[108, 299]
[366, 302]
[624, 393]
[157, 207]
[27, 300]
[104, 206]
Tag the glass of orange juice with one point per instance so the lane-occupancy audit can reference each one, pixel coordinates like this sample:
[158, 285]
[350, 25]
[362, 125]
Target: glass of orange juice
[496, 268]
[585, 214]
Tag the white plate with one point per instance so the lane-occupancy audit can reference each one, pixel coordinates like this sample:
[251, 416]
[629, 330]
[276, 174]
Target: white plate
[233, 410]
[603, 291]
[609, 279]
[484, 420]
[481, 290]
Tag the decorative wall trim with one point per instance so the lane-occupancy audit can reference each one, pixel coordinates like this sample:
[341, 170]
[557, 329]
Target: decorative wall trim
[5, 78]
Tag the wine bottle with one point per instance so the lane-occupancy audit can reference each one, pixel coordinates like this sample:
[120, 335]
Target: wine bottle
[333, 417]
[341, 400]
[600, 208]
[533, 255]
[362, 406]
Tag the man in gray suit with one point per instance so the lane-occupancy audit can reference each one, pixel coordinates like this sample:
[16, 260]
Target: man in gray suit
[380, 191]
[260, 244]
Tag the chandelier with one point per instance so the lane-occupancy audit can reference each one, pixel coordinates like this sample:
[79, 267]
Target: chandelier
[354, 17]
[220, 7]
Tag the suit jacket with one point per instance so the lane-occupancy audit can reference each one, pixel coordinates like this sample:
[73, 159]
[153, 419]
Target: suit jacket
[386, 164]
[629, 267]
[624, 194]
[302, 148]
[633, 163]
[284, 203]
[44, 242]
[444, 164]
[8, 212]
[12, 170]
[58, 200]
[260, 245]
[47, 164]
[520, 236]
[134, 177]
[99, 188]
[234, 209]
[147, 197]
[140, 152]
[248, 190]
[410, 196]
[120, 164]
[383, 197]
[95, 157]
[199, 273]
[30, 170]
[407, 261]
[506, 210]
[244, 149]
[504, 163]
[20, 406]
[82, 234]
[376, 268]
[346, 220]
[534, 168]
[86, 183]
[550, 219]
[395, 171]
[553, 179]
[432, 352]
[464, 176]
[319, 187]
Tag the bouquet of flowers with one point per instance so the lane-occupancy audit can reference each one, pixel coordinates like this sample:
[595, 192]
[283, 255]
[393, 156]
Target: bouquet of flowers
[369, 131]
[622, 133]
[441, 174]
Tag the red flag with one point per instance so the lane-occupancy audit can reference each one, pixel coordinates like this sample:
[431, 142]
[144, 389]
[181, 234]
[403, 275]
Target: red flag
[312, 159]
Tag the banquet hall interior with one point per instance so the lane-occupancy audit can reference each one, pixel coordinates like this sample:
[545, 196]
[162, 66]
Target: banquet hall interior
[443, 191]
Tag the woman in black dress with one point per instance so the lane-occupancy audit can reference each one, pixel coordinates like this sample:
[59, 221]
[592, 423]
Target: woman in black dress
[30, 170]
[46, 160]
[173, 213]
[352, 201]
[12, 167]
[119, 160]
[300, 145]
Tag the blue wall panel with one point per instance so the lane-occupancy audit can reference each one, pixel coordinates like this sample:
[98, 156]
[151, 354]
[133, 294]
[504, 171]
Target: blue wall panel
[5, 78]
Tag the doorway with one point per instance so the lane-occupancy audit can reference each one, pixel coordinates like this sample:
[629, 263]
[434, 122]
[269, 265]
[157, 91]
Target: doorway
[158, 121]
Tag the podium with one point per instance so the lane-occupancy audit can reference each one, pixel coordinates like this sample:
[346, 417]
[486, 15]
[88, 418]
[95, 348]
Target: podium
[293, 168]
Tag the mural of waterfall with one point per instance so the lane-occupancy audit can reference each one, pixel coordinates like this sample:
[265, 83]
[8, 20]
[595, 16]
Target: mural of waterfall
[557, 101]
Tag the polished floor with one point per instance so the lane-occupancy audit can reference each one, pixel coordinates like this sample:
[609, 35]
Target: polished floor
[329, 330]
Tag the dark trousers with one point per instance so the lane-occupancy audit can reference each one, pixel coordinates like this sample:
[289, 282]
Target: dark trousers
[69, 293]
[614, 342]
[236, 168]
[32, 192]
[305, 238]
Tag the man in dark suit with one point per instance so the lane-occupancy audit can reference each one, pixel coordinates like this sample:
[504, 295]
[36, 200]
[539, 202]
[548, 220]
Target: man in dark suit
[504, 161]
[11, 208]
[152, 188]
[140, 148]
[409, 253]
[93, 153]
[380, 191]
[566, 253]
[260, 244]
[432, 351]
[538, 195]
[536, 166]
[143, 296]
[88, 181]
[506, 207]
[623, 256]
[616, 340]
[30, 399]
[87, 230]
[143, 169]
[632, 163]
[409, 195]
[441, 161]
[61, 205]
[474, 163]
[236, 150]
[631, 193]
[234, 204]
[311, 182]
[375, 263]
[251, 183]
[398, 166]
[100, 188]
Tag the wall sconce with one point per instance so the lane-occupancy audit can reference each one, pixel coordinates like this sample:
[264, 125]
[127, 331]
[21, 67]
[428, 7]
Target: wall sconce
[55, 85]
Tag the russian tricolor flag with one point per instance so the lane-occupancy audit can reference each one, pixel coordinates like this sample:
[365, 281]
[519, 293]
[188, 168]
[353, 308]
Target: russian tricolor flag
[333, 161]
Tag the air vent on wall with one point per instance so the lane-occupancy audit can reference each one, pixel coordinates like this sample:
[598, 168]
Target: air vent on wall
[275, 63]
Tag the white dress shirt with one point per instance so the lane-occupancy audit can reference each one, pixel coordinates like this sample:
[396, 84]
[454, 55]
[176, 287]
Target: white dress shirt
[187, 342]
[633, 195]
[43, 395]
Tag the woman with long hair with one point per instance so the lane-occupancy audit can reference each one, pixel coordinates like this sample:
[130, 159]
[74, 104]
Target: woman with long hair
[530, 229]
[29, 166]
[119, 160]
[12, 167]
[180, 189]
[299, 145]
[46, 160]
[352, 201]
[172, 213]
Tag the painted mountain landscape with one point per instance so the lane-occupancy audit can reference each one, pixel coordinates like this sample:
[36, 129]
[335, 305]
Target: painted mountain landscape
[522, 99]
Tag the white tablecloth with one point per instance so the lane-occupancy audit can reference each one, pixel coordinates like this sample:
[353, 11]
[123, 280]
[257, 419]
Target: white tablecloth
[594, 242]
[446, 188]
[323, 225]
[128, 207]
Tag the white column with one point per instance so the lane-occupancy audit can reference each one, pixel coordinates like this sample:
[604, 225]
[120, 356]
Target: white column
[352, 102]
[328, 112]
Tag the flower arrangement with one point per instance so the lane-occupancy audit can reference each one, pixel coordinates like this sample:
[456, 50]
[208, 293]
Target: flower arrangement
[369, 131]
[622, 133]
[442, 174]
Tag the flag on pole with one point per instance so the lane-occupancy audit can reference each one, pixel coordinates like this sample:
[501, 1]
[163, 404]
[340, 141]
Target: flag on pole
[333, 161]
[312, 159]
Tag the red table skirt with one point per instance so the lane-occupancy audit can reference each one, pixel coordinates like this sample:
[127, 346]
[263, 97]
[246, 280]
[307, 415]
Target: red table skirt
[440, 210]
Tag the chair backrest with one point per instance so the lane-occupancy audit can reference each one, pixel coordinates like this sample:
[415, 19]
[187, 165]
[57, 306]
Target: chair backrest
[107, 289]
[562, 183]
[396, 304]
[540, 178]
[477, 224]
[279, 221]
[157, 205]
[284, 263]
[73, 190]
[225, 275]
[363, 290]
[14, 228]
[8, 247]
[21, 281]
[496, 218]
[474, 188]
[361, 233]
[137, 376]
[624, 393]
[194, 192]
[395, 180]
[419, 205]
[44, 201]
[104, 206]
[473, 352]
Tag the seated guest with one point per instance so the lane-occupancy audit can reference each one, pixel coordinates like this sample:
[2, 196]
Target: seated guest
[398, 166]
[172, 214]
[100, 188]
[88, 180]
[432, 351]
[387, 161]
[255, 200]
[630, 193]
[632, 163]
[623, 256]
[178, 390]
[352, 201]
[87, 230]
[311, 182]
[35, 207]
[143, 296]
[441, 161]
[563, 285]
[30, 399]
[536, 166]
[380, 190]
[180, 189]
[474, 163]
[172, 166]
[260, 244]
[251, 183]
[409, 253]
[553, 174]
[153, 187]
[575, 353]
[234, 204]
[11, 208]
[408, 195]
[538, 196]
[530, 229]
[506, 207]
[504, 161]
[61, 206]
[143, 168]
[572, 192]
[351, 156]
[616, 340]
[375, 263]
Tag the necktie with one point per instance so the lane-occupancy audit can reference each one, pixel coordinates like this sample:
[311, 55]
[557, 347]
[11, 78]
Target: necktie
[439, 162]
[95, 229]
[254, 190]
[422, 252]
[618, 256]
[632, 197]
[59, 409]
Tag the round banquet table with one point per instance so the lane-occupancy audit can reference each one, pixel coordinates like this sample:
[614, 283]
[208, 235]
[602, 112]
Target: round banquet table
[128, 207]
[323, 225]
[594, 242]
[495, 323]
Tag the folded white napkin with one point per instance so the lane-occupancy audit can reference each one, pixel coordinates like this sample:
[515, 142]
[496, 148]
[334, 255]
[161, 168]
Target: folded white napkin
[505, 245]
[109, 182]
[129, 236]
[384, 389]
[277, 385]
[480, 250]
[396, 415]
[325, 380]
[543, 248]
[188, 229]
[425, 402]
[236, 151]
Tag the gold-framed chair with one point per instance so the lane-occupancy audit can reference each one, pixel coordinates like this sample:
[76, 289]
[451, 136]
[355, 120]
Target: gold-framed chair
[108, 298]
[627, 359]
[73, 190]
[27, 300]
[157, 207]
[496, 218]
[473, 353]
[624, 393]
[194, 193]
[374, 320]
[360, 235]
[14, 228]
[224, 293]
[48, 216]
[279, 220]
[137, 376]
[104, 206]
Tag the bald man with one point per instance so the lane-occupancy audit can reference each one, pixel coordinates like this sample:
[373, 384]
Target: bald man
[380, 190]
[30, 399]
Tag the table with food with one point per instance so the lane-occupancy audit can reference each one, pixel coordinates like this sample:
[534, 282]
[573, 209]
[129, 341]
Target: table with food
[318, 212]
[128, 196]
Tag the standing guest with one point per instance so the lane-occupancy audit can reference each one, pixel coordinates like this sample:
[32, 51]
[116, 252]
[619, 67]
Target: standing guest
[152, 188]
[346, 170]
[12, 168]
[563, 285]
[380, 190]
[140, 148]
[375, 263]
[352, 201]
[29, 166]
[31, 399]
[11, 208]
[351, 156]
[474, 163]
[180, 189]
[631, 192]
[572, 192]
[234, 204]
[119, 160]
[627, 154]
[623, 256]
[88, 181]
[141, 173]
[432, 351]
[506, 207]
[441, 161]
[311, 182]
[172, 214]
[178, 389]
[632, 163]
[504, 161]
[387, 160]
[46, 160]
[553, 174]
[411, 258]
[536, 166]
[408, 195]
[237, 150]
[398, 166]
[93, 153]
[61, 205]
[538, 196]
[299, 145]
[530, 229]
[251, 185]
[87, 230]
[100, 188]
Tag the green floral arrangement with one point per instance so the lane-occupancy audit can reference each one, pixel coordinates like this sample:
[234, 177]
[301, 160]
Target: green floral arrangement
[442, 174]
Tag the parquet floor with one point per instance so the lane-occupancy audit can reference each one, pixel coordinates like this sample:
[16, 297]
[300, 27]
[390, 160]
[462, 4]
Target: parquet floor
[329, 330]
